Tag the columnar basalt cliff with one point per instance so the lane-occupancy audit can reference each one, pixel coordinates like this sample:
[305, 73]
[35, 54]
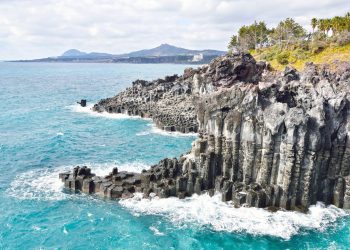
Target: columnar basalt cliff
[265, 138]
[168, 101]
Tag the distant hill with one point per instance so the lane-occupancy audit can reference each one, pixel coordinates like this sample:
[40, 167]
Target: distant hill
[170, 50]
[164, 53]
[73, 53]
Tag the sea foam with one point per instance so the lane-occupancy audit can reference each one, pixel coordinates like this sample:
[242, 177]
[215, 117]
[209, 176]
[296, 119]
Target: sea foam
[88, 110]
[156, 130]
[153, 129]
[206, 211]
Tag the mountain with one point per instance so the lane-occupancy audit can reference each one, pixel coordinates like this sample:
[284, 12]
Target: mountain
[162, 50]
[77, 54]
[170, 50]
[73, 53]
[164, 53]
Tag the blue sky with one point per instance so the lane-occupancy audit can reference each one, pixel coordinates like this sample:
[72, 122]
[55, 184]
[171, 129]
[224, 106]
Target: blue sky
[41, 28]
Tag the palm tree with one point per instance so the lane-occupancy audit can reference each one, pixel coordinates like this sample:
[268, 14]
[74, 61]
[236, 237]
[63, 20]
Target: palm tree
[322, 25]
[336, 24]
[347, 21]
[314, 23]
[327, 25]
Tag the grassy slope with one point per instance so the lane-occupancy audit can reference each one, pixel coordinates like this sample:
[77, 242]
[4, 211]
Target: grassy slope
[298, 59]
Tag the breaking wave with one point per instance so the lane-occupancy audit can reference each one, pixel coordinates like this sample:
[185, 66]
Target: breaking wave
[153, 129]
[211, 212]
[88, 110]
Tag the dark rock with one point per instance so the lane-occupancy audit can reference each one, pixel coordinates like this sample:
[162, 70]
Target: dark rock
[82, 103]
[115, 171]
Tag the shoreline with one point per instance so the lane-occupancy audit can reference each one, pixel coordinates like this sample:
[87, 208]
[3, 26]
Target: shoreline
[259, 143]
[154, 128]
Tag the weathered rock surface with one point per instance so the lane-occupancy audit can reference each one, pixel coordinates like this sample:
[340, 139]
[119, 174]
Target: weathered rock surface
[265, 138]
[167, 101]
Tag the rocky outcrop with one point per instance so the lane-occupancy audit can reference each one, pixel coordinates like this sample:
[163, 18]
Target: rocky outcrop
[265, 138]
[115, 185]
[167, 101]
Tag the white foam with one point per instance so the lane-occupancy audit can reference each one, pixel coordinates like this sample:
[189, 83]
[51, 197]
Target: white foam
[143, 133]
[211, 212]
[156, 231]
[36, 228]
[156, 130]
[44, 184]
[88, 110]
[153, 129]
[38, 184]
[59, 133]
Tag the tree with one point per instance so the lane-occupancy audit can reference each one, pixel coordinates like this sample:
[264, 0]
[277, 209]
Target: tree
[336, 24]
[327, 25]
[250, 36]
[322, 26]
[314, 23]
[347, 21]
[233, 43]
[288, 31]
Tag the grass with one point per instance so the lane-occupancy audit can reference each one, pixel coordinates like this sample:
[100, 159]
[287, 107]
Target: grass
[297, 57]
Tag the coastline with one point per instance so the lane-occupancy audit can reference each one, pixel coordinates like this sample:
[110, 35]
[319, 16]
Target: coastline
[211, 98]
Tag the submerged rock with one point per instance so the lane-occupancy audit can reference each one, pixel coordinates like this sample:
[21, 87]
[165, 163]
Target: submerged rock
[265, 139]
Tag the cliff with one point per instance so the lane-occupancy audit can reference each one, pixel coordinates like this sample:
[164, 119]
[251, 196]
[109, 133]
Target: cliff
[168, 101]
[265, 138]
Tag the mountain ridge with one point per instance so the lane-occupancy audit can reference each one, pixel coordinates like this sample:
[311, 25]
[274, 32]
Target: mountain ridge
[161, 50]
[164, 53]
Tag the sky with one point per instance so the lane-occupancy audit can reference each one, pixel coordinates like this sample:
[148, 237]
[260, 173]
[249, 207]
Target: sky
[40, 28]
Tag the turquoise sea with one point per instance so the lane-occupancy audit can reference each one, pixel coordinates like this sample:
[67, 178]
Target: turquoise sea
[43, 132]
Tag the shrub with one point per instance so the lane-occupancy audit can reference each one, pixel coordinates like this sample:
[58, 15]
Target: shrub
[268, 55]
[282, 58]
[300, 54]
[317, 46]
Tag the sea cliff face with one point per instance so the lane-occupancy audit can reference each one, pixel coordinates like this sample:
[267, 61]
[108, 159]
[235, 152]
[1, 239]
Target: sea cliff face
[266, 139]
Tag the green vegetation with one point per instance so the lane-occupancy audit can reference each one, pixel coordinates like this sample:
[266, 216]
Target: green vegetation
[290, 43]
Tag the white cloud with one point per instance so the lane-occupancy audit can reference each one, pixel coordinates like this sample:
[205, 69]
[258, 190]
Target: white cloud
[40, 28]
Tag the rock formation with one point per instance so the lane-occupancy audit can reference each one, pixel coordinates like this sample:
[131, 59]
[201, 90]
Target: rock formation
[167, 101]
[115, 185]
[265, 138]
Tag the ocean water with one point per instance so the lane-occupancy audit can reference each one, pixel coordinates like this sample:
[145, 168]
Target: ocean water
[43, 132]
